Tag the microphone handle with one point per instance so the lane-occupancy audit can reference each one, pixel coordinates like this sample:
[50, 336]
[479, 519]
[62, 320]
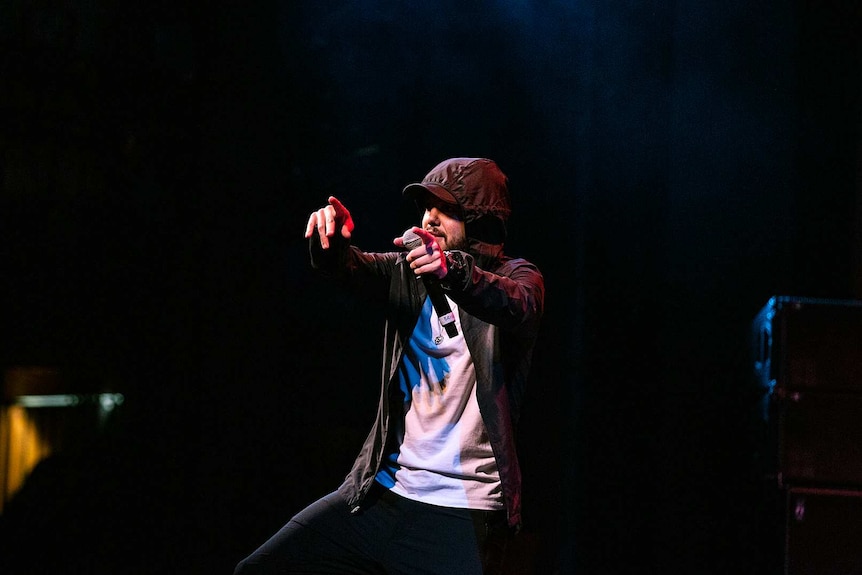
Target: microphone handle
[432, 286]
[441, 305]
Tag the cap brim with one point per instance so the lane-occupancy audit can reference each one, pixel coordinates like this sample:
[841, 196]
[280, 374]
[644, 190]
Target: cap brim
[417, 190]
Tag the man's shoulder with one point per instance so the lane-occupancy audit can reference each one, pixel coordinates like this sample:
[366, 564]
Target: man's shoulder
[516, 262]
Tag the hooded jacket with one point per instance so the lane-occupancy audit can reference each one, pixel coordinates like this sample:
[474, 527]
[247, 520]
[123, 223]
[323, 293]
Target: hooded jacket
[500, 301]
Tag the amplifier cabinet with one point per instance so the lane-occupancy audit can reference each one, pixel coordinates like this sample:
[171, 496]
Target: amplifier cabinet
[807, 368]
[808, 344]
[823, 530]
[816, 438]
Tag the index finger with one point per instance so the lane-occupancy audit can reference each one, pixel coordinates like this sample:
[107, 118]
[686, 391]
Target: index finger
[427, 237]
[340, 210]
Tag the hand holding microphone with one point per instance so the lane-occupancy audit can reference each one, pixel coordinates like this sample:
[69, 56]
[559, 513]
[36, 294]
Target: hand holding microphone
[425, 256]
[429, 262]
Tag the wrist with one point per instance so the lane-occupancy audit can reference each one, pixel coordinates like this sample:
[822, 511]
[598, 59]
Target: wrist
[456, 264]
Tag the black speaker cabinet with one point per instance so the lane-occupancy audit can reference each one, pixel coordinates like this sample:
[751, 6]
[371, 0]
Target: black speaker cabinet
[823, 532]
[808, 371]
[818, 438]
[808, 344]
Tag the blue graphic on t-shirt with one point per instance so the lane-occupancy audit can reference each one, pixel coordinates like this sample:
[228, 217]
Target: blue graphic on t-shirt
[421, 351]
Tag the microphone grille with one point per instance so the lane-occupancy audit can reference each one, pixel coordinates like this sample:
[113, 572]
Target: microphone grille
[411, 239]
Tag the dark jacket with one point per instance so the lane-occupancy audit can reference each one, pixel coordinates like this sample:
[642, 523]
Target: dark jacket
[501, 303]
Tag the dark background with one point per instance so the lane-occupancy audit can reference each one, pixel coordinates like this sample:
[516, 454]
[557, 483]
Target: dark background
[672, 166]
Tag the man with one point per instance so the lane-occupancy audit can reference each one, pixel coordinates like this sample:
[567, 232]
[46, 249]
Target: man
[436, 487]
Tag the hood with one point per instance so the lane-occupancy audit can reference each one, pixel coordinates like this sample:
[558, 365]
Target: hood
[480, 190]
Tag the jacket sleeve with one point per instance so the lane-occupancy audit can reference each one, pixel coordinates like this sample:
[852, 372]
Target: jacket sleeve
[511, 296]
[343, 261]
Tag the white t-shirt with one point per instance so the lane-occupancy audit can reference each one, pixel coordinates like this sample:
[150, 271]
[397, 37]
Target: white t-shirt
[445, 457]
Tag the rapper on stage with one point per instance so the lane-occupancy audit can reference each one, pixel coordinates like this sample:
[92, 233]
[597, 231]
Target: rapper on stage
[436, 487]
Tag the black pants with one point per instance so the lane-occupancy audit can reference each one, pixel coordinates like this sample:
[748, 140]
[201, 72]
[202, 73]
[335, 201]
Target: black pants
[391, 535]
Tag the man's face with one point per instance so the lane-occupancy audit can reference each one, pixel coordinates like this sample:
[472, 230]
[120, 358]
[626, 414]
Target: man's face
[441, 220]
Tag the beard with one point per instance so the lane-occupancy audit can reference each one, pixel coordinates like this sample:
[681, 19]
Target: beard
[449, 242]
[460, 244]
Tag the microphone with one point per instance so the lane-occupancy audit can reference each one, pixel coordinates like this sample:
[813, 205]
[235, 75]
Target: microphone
[432, 285]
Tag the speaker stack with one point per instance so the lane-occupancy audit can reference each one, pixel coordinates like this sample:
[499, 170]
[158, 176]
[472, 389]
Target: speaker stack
[808, 373]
